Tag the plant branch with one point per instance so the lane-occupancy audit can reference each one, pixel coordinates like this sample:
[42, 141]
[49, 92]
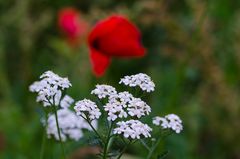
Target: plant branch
[58, 128]
[153, 148]
[95, 131]
[145, 144]
[106, 147]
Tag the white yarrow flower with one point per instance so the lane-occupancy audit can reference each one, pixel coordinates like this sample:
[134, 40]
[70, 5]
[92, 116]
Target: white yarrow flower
[115, 110]
[142, 80]
[133, 129]
[50, 88]
[117, 104]
[160, 121]
[54, 79]
[174, 122]
[87, 108]
[123, 104]
[170, 121]
[125, 97]
[103, 91]
[138, 108]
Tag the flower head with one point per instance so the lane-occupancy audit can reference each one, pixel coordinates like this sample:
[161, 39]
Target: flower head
[114, 36]
[50, 88]
[174, 122]
[87, 108]
[103, 91]
[116, 106]
[133, 129]
[70, 125]
[142, 80]
[170, 121]
[122, 104]
[138, 108]
[160, 121]
[115, 109]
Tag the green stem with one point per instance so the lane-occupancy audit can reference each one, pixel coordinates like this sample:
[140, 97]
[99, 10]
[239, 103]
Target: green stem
[110, 142]
[106, 147]
[123, 140]
[58, 128]
[153, 148]
[95, 131]
[145, 144]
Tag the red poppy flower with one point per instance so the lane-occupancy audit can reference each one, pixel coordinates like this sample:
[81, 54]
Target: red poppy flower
[113, 37]
[71, 24]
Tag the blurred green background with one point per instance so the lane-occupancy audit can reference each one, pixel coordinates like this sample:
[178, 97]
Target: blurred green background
[193, 57]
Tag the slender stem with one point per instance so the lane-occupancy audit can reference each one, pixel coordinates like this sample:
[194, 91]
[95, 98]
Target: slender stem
[123, 150]
[145, 144]
[123, 140]
[106, 147]
[110, 142]
[153, 148]
[58, 129]
[95, 131]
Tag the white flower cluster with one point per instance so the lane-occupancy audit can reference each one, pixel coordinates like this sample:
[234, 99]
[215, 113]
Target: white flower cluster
[170, 121]
[132, 129]
[123, 104]
[142, 80]
[50, 88]
[160, 121]
[103, 91]
[117, 104]
[87, 108]
[70, 125]
[138, 108]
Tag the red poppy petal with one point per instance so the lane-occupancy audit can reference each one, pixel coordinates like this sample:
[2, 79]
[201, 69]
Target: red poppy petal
[100, 62]
[100, 29]
[116, 36]
[121, 45]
